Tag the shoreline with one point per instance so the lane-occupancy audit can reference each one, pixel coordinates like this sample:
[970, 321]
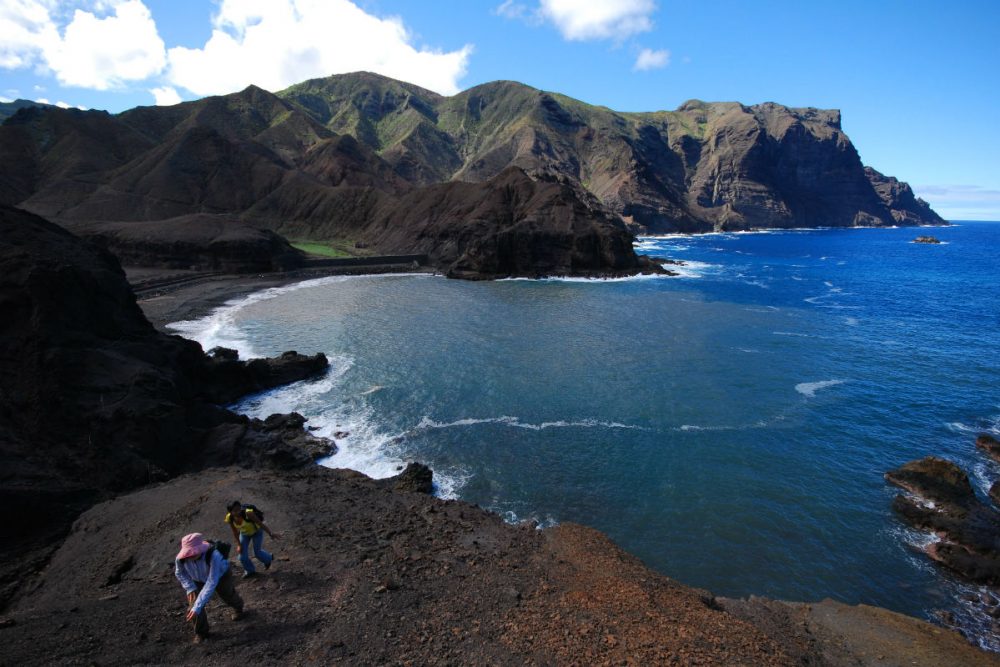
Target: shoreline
[172, 296]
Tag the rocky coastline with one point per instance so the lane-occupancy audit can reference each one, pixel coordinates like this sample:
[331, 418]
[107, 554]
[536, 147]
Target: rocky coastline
[114, 445]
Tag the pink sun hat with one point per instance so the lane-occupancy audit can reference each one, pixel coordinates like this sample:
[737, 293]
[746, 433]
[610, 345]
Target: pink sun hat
[193, 545]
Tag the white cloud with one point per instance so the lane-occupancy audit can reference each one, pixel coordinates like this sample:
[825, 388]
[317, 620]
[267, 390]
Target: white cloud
[43, 100]
[165, 96]
[91, 51]
[599, 19]
[511, 10]
[102, 53]
[5, 100]
[649, 59]
[62, 105]
[275, 43]
[26, 29]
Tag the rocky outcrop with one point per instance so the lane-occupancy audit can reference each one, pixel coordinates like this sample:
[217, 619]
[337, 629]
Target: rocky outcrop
[200, 241]
[906, 207]
[93, 400]
[229, 377]
[926, 239]
[511, 225]
[415, 478]
[943, 501]
[989, 446]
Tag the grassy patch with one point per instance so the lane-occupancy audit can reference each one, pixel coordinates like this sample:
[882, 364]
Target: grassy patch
[320, 249]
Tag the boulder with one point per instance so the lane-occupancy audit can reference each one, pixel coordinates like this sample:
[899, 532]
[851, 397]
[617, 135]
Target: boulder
[926, 239]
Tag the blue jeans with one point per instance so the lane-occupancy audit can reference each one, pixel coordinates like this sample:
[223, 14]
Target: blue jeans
[258, 552]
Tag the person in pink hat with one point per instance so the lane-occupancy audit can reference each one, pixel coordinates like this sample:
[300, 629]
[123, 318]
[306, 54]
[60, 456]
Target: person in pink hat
[202, 570]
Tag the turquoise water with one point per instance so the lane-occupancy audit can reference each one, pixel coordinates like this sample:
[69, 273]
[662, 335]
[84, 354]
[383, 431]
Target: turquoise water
[729, 426]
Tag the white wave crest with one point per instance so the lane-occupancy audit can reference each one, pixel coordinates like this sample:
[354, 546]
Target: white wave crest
[809, 389]
[428, 423]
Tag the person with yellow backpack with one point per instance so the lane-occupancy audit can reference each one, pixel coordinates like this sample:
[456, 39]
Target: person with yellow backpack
[247, 524]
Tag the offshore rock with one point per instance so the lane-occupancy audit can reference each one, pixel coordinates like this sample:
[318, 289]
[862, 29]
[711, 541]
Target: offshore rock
[926, 239]
[945, 503]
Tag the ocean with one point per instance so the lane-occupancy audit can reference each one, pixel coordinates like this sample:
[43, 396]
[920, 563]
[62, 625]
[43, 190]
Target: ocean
[729, 426]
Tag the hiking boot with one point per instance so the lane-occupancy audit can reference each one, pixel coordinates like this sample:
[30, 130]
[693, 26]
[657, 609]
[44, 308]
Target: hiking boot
[247, 575]
[237, 614]
[267, 565]
[200, 638]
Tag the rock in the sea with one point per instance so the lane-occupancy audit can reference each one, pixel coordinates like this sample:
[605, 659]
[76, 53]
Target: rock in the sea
[944, 502]
[934, 479]
[989, 445]
[926, 239]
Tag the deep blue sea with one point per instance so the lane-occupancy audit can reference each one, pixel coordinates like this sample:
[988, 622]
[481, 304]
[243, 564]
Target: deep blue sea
[729, 426]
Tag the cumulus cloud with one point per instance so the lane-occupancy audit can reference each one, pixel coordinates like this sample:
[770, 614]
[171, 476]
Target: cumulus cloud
[98, 52]
[165, 96]
[26, 28]
[5, 100]
[599, 19]
[649, 59]
[102, 53]
[275, 43]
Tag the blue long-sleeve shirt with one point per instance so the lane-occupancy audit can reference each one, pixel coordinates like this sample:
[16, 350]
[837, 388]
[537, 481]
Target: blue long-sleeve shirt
[194, 571]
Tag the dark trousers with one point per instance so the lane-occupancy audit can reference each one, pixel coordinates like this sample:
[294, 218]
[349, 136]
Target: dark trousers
[226, 591]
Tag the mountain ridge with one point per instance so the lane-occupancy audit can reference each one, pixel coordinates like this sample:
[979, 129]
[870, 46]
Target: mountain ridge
[351, 156]
[646, 164]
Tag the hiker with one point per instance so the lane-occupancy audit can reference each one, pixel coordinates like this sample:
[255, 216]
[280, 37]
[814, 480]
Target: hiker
[202, 570]
[247, 524]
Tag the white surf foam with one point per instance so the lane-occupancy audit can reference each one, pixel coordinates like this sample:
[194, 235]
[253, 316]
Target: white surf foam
[809, 389]
[514, 422]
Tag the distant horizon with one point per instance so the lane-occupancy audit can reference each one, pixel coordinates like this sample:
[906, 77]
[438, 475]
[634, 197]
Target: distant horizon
[920, 114]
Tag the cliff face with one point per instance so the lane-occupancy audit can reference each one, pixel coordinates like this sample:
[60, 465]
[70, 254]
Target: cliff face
[704, 166]
[93, 400]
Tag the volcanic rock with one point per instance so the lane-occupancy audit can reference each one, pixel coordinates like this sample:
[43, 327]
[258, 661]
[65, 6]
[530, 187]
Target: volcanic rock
[989, 445]
[229, 377]
[93, 400]
[416, 478]
[946, 504]
[926, 239]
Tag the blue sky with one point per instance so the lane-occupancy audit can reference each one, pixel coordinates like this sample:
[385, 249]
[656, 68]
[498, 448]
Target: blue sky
[916, 81]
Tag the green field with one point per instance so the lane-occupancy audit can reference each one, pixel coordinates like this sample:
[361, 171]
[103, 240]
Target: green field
[320, 249]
